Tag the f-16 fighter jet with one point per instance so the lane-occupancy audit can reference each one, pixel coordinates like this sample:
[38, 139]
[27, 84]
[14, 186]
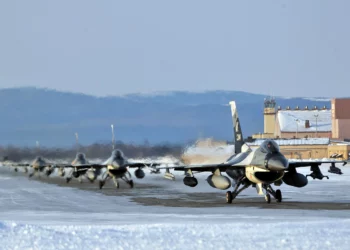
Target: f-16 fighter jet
[70, 170]
[7, 162]
[80, 161]
[260, 168]
[37, 166]
[116, 167]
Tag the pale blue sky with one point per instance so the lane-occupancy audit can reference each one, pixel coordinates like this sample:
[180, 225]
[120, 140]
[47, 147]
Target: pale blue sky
[279, 47]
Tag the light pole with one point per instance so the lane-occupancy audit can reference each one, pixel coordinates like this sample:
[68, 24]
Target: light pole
[296, 120]
[112, 127]
[316, 116]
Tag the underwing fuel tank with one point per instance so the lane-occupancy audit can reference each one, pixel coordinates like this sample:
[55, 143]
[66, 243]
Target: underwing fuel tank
[190, 181]
[91, 175]
[219, 181]
[139, 173]
[295, 179]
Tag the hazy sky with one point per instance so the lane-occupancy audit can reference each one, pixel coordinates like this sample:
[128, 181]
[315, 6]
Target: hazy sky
[110, 47]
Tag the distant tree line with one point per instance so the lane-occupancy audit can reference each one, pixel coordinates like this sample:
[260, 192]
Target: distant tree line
[96, 150]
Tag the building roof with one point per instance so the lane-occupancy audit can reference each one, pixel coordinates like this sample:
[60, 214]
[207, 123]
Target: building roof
[294, 120]
[301, 141]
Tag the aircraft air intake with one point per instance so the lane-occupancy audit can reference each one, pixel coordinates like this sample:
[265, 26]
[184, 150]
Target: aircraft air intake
[75, 174]
[49, 171]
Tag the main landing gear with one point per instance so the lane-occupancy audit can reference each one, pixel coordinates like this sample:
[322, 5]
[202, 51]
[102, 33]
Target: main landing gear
[270, 191]
[107, 176]
[230, 196]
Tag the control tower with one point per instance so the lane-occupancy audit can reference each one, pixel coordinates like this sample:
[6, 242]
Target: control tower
[269, 115]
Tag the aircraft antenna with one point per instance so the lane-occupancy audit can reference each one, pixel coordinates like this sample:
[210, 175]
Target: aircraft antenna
[77, 141]
[113, 142]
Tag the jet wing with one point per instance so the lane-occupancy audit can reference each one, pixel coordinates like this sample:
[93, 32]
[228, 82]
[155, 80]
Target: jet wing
[80, 167]
[18, 164]
[309, 163]
[203, 167]
[141, 164]
[84, 167]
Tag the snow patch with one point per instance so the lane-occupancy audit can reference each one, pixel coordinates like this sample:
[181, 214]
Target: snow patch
[324, 234]
[294, 120]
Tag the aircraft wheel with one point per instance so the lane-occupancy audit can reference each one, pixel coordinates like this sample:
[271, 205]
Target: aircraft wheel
[278, 195]
[131, 183]
[229, 197]
[116, 183]
[268, 198]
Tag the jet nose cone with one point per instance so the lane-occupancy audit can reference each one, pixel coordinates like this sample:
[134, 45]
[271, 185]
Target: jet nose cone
[277, 163]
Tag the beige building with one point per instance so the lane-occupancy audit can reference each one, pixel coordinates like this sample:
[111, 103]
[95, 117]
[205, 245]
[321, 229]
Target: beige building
[314, 148]
[306, 122]
[340, 118]
[305, 133]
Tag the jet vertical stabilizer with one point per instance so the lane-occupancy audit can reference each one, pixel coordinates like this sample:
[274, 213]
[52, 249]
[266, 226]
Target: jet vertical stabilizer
[237, 131]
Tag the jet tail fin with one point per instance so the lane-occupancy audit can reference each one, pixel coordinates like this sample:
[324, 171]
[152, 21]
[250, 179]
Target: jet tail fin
[237, 131]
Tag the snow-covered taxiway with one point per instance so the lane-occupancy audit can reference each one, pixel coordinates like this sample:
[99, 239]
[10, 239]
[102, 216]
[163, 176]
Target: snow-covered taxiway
[47, 214]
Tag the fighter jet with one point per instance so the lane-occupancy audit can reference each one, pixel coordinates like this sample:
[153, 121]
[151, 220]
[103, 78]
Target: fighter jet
[7, 162]
[260, 168]
[70, 170]
[115, 167]
[80, 162]
[38, 165]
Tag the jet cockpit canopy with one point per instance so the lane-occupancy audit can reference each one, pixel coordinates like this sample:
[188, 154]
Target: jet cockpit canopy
[269, 146]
